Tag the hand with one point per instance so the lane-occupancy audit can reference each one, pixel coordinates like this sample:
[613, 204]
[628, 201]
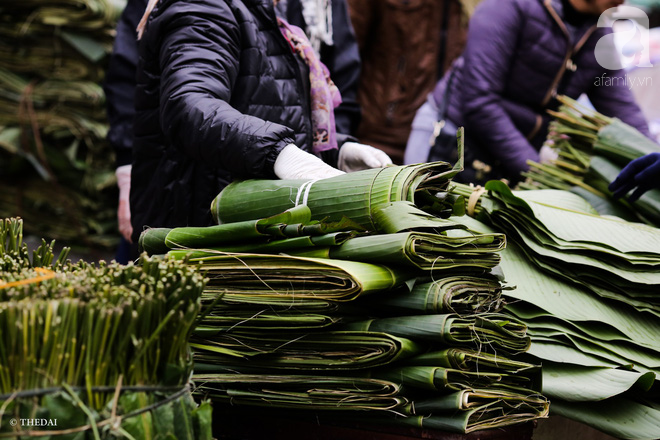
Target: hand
[642, 173]
[356, 157]
[294, 163]
[548, 154]
[123, 174]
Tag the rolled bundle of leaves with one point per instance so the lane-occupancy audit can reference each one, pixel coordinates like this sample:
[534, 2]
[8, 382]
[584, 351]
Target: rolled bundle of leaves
[357, 194]
[446, 380]
[472, 360]
[220, 304]
[466, 411]
[329, 350]
[292, 279]
[478, 410]
[488, 331]
[463, 295]
[225, 319]
[301, 246]
[457, 249]
[293, 229]
[584, 139]
[301, 392]
[415, 250]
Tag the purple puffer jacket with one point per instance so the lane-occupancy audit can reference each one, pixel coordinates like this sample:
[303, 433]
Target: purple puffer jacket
[519, 55]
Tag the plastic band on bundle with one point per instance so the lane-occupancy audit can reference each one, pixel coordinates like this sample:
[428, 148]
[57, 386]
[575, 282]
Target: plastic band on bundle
[44, 274]
[474, 199]
[304, 190]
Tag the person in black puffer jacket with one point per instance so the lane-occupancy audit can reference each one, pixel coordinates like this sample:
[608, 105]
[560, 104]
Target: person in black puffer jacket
[221, 90]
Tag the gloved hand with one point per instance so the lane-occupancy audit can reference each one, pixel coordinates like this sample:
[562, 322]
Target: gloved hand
[642, 173]
[548, 154]
[294, 163]
[356, 157]
[123, 174]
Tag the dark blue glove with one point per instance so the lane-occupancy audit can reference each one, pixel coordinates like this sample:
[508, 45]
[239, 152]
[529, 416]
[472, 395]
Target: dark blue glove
[642, 173]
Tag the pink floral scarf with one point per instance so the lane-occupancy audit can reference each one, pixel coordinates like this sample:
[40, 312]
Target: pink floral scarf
[325, 95]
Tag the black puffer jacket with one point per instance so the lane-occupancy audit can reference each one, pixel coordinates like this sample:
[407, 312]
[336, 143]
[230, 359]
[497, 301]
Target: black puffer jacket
[219, 90]
[342, 59]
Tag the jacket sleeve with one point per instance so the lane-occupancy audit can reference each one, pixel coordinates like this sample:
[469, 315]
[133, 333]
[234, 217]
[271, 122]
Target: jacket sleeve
[119, 83]
[490, 50]
[613, 98]
[343, 61]
[200, 48]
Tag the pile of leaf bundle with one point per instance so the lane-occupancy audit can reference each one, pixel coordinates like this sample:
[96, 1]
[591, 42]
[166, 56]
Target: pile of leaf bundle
[100, 351]
[593, 149]
[53, 121]
[373, 305]
[586, 286]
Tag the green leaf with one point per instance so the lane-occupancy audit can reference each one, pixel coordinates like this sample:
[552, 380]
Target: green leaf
[579, 383]
[618, 416]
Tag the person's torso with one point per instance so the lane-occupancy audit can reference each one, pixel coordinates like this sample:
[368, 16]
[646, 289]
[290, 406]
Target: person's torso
[270, 83]
[547, 61]
[399, 68]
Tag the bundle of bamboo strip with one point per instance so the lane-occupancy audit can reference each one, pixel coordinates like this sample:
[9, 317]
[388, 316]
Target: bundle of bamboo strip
[102, 349]
[292, 314]
[53, 121]
[592, 151]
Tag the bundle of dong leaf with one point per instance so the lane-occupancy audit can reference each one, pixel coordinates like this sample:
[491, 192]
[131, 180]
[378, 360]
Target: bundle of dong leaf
[322, 295]
[593, 149]
[587, 289]
[55, 161]
[103, 350]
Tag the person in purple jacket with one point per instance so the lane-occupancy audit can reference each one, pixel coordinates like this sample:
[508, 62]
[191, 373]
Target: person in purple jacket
[521, 54]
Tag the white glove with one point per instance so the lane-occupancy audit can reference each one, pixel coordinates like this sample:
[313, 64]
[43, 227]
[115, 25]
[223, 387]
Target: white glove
[356, 157]
[123, 174]
[294, 163]
[548, 154]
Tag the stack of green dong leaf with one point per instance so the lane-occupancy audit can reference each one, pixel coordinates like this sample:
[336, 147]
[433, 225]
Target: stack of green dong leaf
[587, 288]
[57, 168]
[97, 351]
[342, 296]
[593, 149]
